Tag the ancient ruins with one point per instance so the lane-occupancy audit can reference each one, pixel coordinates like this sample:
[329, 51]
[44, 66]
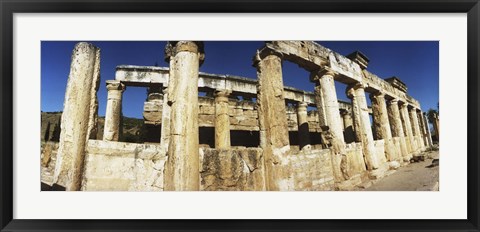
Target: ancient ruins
[244, 134]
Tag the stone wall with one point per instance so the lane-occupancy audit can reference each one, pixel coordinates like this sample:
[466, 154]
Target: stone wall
[236, 169]
[118, 166]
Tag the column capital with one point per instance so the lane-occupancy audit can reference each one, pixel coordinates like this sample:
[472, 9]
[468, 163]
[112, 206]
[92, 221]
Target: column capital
[377, 94]
[393, 101]
[264, 53]
[222, 92]
[222, 95]
[344, 112]
[350, 91]
[174, 47]
[115, 85]
[302, 106]
[316, 75]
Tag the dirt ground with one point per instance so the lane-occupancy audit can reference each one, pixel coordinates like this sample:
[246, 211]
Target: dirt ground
[413, 177]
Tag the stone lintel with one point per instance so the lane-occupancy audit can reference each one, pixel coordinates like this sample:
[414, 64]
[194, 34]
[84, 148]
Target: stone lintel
[397, 83]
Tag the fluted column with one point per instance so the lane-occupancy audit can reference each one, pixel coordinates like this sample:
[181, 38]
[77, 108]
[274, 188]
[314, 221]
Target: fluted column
[272, 114]
[79, 115]
[427, 127]
[397, 127]
[303, 129]
[113, 113]
[182, 165]
[382, 124]
[364, 130]
[407, 126]
[222, 120]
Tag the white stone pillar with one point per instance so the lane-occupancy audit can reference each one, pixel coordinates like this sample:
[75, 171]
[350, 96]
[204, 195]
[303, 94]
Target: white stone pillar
[182, 165]
[382, 124]
[348, 131]
[436, 126]
[222, 120]
[357, 94]
[427, 128]
[272, 114]
[325, 83]
[416, 129]
[397, 128]
[79, 115]
[165, 130]
[423, 132]
[407, 126]
[113, 113]
[303, 129]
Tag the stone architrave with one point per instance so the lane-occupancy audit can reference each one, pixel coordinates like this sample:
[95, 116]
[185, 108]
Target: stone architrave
[348, 131]
[416, 128]
[407, 126]
[427, 128]
[113, 112]
[364, 130]
[382, 124]
[79, 115]
[272, 114]
[397, 127]
[303, 129]
[222, 120]
[182, 165]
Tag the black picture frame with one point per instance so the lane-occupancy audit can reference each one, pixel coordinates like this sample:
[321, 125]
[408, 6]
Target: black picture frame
[9, 7]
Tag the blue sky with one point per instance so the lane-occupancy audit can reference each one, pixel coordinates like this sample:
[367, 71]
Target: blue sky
[414, 62]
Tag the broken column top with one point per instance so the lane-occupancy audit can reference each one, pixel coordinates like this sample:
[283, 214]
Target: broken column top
[397, 83]
[359, 58]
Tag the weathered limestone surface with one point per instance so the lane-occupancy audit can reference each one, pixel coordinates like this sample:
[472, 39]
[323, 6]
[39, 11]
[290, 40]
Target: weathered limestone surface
[362, 122]
[308, 170]
[382, 125]
[348, 130]
[416, 129]
[303, 129]
[397, 128]
[113, 112]
[427, 128]
[271, 114]
[407, 126]
[181, 170]
[118, 166]
[436, 125]
[48, 159]
[222, 120]
[79, 115]
[237, 169]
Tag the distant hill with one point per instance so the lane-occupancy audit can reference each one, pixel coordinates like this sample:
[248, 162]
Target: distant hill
[133, 128]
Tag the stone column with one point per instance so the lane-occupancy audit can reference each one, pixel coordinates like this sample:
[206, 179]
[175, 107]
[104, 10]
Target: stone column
[272, 114]
[182, 165]
[325, 85]
[357, 94]
[222, 120]
[397, 127]
[348, 132]
[407, 126]
[113, 113]
[165, 129]
[436, 126]
[382, 124]
[423, 132]
[303, 129]
[416, 129]
[79, 115]
[427, 128]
